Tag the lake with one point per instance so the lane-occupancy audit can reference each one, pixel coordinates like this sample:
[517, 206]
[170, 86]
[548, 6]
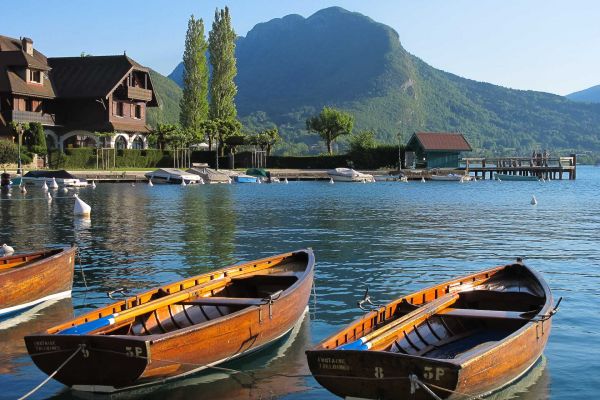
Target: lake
[393, 237]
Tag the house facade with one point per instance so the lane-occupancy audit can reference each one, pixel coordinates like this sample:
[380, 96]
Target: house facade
[92, 101]
[438, 149]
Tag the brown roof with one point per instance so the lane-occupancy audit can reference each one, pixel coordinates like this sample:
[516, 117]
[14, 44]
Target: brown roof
[442, 141]
[13, 58]
[93, 76]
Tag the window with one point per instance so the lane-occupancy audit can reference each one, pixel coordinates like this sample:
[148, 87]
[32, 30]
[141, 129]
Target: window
[138, 111]
[35, 76]
[118, 108]
[28, 105]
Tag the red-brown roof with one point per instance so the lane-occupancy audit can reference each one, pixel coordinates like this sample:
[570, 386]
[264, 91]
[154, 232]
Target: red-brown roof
[442, 141]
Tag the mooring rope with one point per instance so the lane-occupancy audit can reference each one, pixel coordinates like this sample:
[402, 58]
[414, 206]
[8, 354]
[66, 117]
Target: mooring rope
[35, 389]
[415, 383]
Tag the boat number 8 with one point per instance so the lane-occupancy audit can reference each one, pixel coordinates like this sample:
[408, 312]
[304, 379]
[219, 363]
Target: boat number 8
[428, 373]
[133, 351]
[378, 372]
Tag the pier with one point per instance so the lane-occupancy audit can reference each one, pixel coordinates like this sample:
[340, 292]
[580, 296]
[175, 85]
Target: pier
[546, 168]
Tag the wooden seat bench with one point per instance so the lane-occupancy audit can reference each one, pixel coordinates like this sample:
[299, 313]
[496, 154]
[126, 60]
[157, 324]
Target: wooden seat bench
[473, 313]
[224, 301]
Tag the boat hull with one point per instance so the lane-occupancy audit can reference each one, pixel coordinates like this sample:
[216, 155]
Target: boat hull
[35, 281]
[148, 359]
[245, 179]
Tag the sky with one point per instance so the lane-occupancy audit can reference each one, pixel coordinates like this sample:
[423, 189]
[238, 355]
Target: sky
[545, 45]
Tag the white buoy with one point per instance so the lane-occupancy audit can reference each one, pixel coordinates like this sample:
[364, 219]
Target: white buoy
[53, 185]
[64, 189]
[462, 180]
[230, 181]
[183, 182]
[364, 181]
[331, 181]
[533, 201]
[285, 180]
[150, 182]
[423, 179]
[258, 180]
[49, 197]
[9, 194]
[80, 207]
[201, 181]
[132, 184]
[93, 185]
[7, 249]
[44, 187]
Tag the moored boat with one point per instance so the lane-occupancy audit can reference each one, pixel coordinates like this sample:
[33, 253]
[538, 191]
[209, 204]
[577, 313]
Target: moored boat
[349, 175]
[468, 336]
[62, 178]
[32, 278]
[506, 177]
[210, 175]
[172, 175]
[243, 178]
[179, 328]
[451, 177]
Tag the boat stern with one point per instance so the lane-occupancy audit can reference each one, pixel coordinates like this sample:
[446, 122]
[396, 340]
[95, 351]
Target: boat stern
[90, 362]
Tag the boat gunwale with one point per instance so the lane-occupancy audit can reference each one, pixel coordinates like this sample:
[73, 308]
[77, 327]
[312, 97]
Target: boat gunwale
[59, 253]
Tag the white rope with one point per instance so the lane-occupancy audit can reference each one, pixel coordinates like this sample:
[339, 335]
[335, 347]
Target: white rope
[415, 383]
[35, 389]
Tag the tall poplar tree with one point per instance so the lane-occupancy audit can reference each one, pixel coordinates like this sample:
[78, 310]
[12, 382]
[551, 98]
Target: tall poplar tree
[194, 103]
[221, 47]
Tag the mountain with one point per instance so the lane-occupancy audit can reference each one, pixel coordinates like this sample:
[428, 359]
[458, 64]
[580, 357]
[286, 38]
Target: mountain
[169, 94]
[591, 95]
[290, 67]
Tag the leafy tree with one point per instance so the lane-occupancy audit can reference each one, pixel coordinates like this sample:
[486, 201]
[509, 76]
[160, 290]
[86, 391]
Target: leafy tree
[363, 140]
[225, 129]
[162, 134]
[194, 103]
[8, 153]
[209, 128]
[266, 139]
[330, 124]
[221, 47]
[38, 139]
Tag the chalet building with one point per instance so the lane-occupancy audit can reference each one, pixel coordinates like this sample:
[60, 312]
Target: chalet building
[75, 97]
[26, 93]
[437, 149]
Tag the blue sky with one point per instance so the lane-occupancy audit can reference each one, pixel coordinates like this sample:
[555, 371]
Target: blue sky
[546, 45]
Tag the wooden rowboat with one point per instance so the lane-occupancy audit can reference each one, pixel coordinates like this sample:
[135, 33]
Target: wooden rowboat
[470, 335]
[29, 279]
[180, 328]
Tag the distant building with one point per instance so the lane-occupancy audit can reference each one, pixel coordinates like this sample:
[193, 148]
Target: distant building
[438, 149]
[74, 97]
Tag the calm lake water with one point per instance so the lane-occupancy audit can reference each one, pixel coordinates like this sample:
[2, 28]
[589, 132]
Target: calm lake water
[394, 237]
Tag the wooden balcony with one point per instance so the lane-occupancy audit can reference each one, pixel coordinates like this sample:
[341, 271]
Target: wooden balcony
[137, 93]
[29, 116]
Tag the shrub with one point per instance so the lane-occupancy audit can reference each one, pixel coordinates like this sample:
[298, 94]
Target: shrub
[8, 153]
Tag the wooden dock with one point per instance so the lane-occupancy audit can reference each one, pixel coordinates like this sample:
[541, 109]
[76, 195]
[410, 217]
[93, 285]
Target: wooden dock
[546, 168]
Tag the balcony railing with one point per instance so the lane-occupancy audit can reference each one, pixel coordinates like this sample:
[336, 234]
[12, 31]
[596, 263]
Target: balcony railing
[29, 116]
[137, 93]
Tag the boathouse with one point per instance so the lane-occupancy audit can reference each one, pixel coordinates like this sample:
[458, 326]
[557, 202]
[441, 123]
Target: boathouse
[438, 149]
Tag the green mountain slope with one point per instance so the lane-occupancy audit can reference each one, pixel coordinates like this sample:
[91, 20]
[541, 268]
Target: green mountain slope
[169, 94]
[289, 68]
[591, 95]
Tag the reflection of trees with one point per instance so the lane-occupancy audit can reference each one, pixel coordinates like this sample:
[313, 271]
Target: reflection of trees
[209, 228]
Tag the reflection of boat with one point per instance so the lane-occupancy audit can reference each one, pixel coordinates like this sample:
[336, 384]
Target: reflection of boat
[243, 178]
[506, 177]
[470, 335]
[29, 279]
[179, 328]
[533, 385]
[210, 175]
[349, 175]
[34, 319]
[451, 177]
[171, 175]
[62, 177]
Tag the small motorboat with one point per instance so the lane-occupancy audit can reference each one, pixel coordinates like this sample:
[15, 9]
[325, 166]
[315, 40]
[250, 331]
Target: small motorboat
[471, 335]
[172, 175]
[32, 278]
[506, 177]
[179, 328]
[349, 175]
[243, 178]
[210, 175]
[62, 178]
[451, 177]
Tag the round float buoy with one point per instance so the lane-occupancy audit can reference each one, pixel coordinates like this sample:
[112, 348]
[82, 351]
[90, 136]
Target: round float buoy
[183, 182]
[8, 250]
[49, 197]
[81, 207]
[132, 184]
[230, 181]
[150, 182]
[53, 184]
[201, 181]
[423, 179]
[285, 181]
[44, 186]
[331, 181]
[533, 201]
[93, 185]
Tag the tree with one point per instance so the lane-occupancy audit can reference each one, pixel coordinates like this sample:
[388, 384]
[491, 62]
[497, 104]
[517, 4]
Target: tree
[162, 134]
[266, 139]
[194, 103]
[330, 124]
[8, 153]
[221, 47]
[210, 130]
[363, 140]
[38, 139]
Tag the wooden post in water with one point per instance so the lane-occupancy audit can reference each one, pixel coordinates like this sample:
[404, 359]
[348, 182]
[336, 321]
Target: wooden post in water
[573, 173]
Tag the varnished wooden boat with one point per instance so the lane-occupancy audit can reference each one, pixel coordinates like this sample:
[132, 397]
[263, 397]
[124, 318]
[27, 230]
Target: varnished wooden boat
[471, 335]
[29, 279]
[180, 328]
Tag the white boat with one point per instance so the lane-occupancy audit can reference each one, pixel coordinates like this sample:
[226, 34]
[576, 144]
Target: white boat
[172, 175]
[349, 175]
[210, 175]
[451, 177]
[62, 177]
